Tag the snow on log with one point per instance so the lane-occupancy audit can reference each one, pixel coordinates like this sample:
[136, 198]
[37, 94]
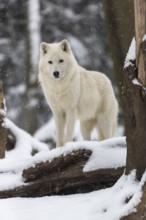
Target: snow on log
[16, 137]
[58, 164]
[77, 167]
[3, 132]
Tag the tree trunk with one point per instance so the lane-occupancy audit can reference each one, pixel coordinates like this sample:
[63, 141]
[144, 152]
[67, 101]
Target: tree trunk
[119, 31]
[32, 43]
[140, 31]
[3, 132]
[135, 122]
[135, 99]
[135, 106]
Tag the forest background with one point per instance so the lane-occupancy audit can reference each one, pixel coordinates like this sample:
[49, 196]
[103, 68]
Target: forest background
[99, 31]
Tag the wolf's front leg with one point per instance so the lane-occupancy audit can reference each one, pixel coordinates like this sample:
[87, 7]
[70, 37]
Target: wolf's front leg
[70, 124]
[59, 118]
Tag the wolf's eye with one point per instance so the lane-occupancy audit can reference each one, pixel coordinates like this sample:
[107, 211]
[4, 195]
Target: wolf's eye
[61, 61]
[50, 62]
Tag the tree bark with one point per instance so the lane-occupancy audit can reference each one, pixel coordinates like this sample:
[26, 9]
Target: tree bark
[31, 101]
[140, 31]
[135, 107]
[119, 33]
[135, 99]
[3, 132]
[135, 122]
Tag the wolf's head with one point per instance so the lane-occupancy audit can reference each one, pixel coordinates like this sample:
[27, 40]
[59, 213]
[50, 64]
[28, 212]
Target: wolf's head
[56, 59]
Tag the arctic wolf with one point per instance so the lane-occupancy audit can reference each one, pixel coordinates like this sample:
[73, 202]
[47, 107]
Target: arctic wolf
[74, 92]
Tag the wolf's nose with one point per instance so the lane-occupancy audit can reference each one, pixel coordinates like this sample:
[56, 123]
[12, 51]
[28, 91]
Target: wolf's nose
[56, 74]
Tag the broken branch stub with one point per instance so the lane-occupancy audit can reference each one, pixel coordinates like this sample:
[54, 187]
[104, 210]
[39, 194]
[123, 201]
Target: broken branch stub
[3, 131]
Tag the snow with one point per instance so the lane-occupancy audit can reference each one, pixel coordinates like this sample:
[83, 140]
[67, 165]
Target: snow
[16, 159]
[105, 154]
[105, 204]
[131, 55]
[25, 142]
[5, 183]
[136, 82]
[2, 112]
[106, 157]
[144, 38]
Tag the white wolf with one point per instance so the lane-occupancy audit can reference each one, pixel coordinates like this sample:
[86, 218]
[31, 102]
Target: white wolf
[72, 91]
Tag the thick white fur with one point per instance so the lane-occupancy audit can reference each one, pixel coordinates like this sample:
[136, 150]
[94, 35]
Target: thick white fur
[77, 92]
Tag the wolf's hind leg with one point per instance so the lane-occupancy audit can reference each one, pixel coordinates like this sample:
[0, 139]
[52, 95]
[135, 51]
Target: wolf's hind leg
[86, 128]
[105, 126]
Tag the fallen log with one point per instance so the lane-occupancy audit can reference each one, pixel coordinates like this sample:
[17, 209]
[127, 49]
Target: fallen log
[76, 160]
[63, 175]
[63, 185]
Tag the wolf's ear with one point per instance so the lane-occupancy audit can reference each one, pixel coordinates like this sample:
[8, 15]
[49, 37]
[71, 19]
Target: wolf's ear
[43, 48]
[65, 46]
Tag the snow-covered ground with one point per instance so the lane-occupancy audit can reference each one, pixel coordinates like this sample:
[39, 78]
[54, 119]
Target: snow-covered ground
[106, 204]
